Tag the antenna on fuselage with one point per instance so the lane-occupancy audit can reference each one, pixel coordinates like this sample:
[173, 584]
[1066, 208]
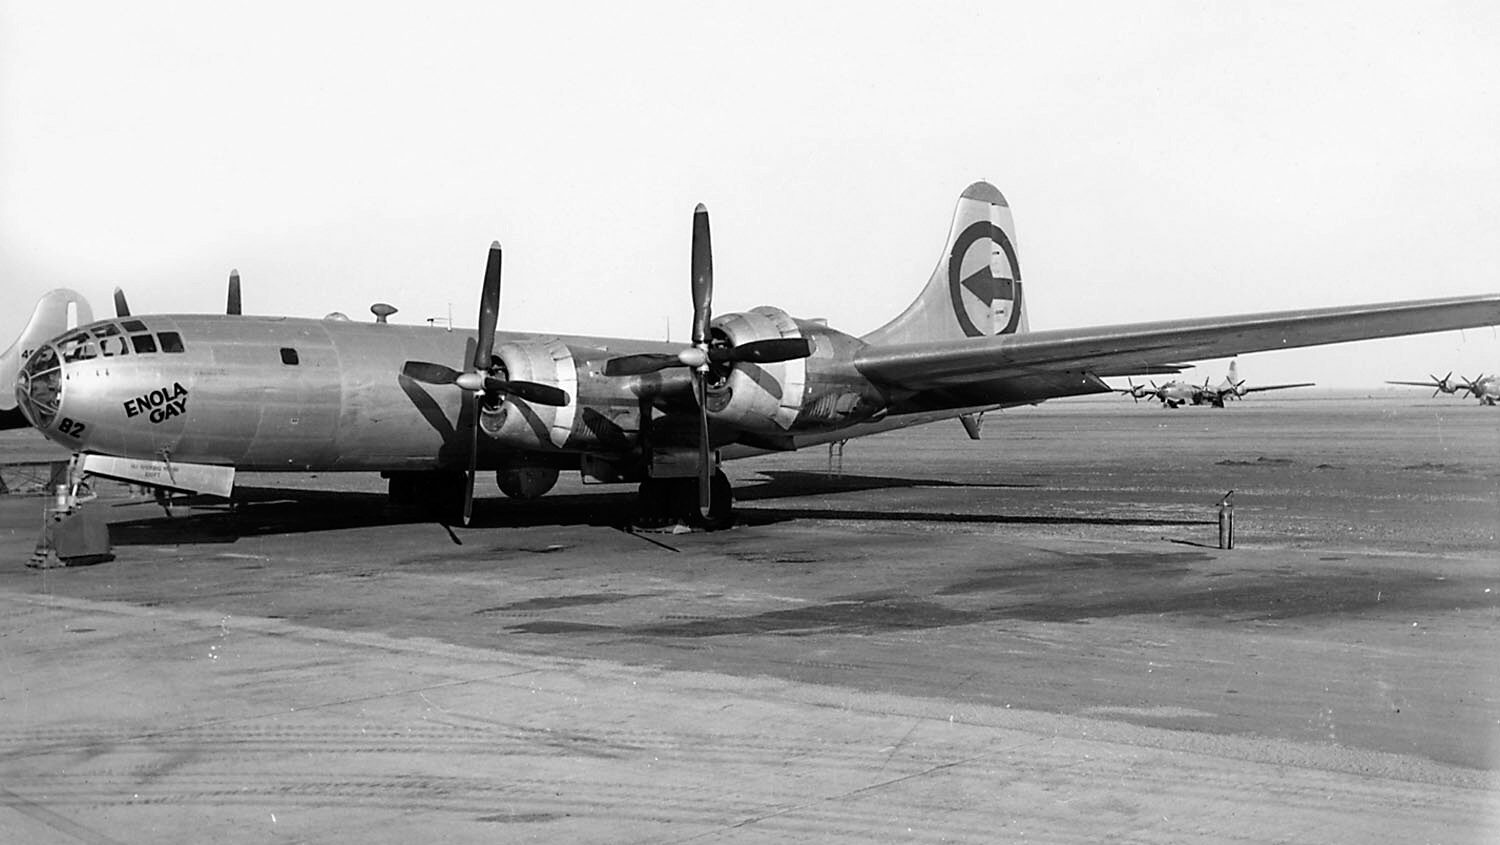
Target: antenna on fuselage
[381, 311]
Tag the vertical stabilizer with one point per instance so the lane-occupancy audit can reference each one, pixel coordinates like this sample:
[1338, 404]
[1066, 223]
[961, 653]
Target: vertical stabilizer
[976, 289]
[56, 312]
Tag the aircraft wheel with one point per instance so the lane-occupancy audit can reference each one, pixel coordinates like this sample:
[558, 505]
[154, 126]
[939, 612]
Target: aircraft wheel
[685, 502]
[721, 511]
[663, 501]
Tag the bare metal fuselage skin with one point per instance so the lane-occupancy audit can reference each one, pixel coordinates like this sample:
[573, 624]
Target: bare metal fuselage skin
[289, 394]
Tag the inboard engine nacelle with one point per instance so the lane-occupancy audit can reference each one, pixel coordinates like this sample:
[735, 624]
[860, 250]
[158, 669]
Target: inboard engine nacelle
[528, 425]
[802, 393]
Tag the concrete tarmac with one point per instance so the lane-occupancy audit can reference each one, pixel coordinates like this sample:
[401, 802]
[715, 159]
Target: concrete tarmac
[1029, 638]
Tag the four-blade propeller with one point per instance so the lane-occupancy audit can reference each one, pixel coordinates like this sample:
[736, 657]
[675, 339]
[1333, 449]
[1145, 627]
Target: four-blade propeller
[1137, 391]
[706, 352]
[484, 377]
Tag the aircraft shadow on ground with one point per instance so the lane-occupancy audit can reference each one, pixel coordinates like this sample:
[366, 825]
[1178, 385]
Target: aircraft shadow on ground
[780, 484]
[266, 511]
[262, 511]
[787, 484]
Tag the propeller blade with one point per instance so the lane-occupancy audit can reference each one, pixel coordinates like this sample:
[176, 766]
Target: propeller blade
[533, 392]
[122, 308]
[636, 365]
[703, 294]
[705, 456]
[770, 351]
[703, 276]
[473, 458]
[233, 305]
[489, 309]
[429, 373]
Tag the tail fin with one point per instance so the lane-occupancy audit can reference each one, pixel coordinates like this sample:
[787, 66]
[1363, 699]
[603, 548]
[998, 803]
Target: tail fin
[976, 289]
[56, 312]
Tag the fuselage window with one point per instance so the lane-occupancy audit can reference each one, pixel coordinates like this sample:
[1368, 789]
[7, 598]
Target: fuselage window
[170, 341]
[116, 345]
[143, 343]
[288, 356]
[134, 326]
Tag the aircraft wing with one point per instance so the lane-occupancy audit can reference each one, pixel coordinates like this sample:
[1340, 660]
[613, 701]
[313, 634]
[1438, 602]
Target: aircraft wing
[1277, 387]
[1138, 348]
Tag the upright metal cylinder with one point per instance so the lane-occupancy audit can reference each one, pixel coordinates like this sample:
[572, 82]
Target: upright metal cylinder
[1226, 526]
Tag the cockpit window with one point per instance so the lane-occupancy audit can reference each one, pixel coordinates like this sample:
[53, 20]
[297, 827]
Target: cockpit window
[144, 343]
[78, 347]
[111, 342]
[133, 326]
[170, 341]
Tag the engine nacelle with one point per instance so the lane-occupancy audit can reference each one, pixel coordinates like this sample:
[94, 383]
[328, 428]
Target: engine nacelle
[817, 392]
[757, 397]
[524, 425]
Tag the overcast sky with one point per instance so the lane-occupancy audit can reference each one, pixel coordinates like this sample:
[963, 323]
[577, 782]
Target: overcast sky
[1162, 160]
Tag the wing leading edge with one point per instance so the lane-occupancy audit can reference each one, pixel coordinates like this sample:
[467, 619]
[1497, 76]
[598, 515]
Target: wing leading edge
[1142, 348]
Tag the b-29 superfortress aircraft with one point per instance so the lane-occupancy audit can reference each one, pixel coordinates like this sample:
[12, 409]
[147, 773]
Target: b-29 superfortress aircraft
[1484, 388]
[185, 401]
[1175, 394]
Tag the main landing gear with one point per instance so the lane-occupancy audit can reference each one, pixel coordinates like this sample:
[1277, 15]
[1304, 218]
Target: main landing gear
[662, 502]
[665, 502]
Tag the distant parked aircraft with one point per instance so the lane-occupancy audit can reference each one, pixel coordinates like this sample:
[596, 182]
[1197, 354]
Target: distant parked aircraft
[1484, 388]
[1233, 387]
[1446, 384]
[1175, 394]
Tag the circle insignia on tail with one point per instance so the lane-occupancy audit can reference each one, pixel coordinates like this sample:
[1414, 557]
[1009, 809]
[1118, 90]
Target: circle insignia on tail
[983, 302]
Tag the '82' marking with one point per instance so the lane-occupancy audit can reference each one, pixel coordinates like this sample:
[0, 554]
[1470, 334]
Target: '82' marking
[71, 428]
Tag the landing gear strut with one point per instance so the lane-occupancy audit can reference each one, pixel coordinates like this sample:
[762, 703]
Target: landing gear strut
[674, 501]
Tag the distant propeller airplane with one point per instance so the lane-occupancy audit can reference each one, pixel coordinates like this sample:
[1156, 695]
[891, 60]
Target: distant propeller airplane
[1233, 387]
[183, 402]
[1175, 394]
[1484, 388]
[1171, 394]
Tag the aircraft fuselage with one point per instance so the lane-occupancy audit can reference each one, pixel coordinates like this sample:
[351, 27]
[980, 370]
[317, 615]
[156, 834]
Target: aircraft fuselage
[270, 393]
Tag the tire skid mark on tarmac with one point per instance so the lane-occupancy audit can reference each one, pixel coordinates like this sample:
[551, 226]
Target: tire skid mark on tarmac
[52, 819]
[1199, 779]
